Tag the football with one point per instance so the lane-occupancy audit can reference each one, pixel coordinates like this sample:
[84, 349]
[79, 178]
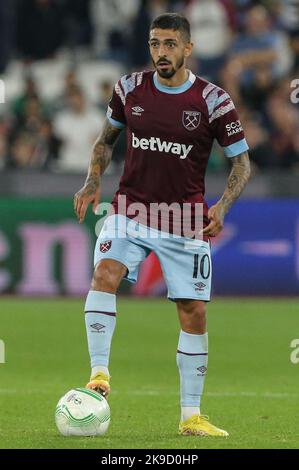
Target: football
[82, 412]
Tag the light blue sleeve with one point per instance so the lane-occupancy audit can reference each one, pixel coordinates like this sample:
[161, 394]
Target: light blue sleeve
[235, 149]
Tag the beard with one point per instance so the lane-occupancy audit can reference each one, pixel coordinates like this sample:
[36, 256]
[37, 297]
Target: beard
[172, 70]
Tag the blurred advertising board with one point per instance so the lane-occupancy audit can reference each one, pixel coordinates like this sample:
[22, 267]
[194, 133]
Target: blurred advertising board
[45, 251]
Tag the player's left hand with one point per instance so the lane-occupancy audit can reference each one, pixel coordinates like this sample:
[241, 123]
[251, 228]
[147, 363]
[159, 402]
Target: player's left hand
[216, 218]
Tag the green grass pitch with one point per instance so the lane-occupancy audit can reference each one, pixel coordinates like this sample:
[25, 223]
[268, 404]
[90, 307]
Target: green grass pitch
[251, 388]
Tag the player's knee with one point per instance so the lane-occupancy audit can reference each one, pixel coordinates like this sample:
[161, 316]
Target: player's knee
[192, 316]
[199, 313]
[106, 277]
[192, 309]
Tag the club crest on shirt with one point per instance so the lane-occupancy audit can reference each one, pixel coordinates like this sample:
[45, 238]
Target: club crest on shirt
[191, 119]
[105, 246]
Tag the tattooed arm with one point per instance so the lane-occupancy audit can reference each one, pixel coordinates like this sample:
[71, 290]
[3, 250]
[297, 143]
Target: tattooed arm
[100, 159]
[235, 184]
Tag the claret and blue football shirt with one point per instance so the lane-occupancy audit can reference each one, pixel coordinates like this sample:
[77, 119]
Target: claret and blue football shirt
[170, 133]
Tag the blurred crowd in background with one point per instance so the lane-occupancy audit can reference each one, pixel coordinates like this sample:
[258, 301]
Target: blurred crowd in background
[250, 48]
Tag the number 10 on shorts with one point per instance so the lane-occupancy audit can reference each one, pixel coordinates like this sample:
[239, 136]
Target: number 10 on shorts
[201, 264]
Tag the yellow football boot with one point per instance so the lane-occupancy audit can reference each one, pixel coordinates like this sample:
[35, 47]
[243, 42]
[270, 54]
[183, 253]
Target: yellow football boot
[99, 383]
[199, 425]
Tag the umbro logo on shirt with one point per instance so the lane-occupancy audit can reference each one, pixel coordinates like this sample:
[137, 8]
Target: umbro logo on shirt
[137, 110]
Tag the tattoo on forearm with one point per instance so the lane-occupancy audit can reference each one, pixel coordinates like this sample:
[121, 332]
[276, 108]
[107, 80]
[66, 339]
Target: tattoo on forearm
[101, 155]
[236, 181]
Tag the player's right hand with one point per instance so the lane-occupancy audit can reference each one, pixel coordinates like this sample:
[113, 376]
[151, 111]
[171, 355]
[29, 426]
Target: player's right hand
[89, 194]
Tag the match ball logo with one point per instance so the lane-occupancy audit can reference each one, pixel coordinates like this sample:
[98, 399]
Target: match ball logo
[191, 120]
